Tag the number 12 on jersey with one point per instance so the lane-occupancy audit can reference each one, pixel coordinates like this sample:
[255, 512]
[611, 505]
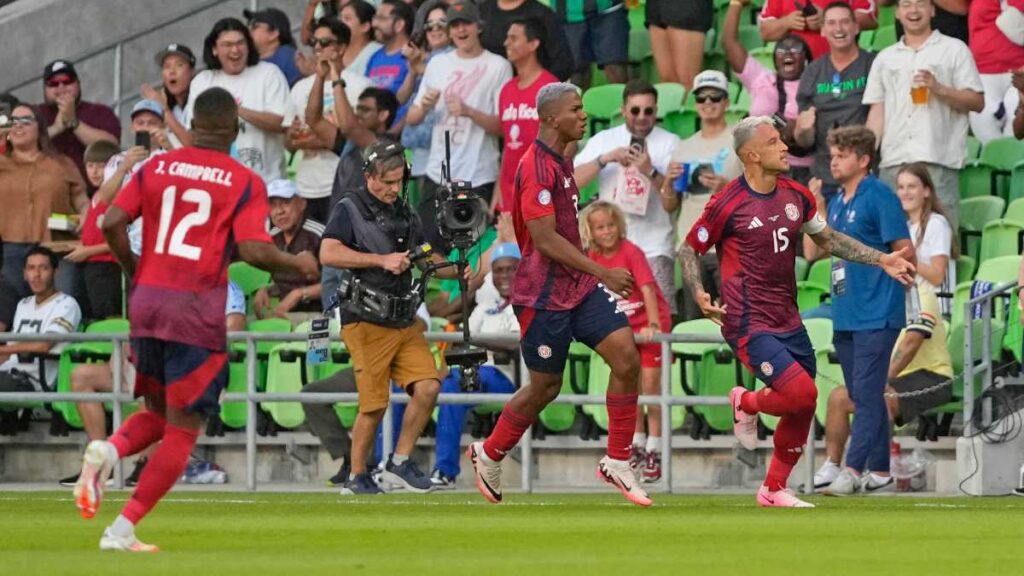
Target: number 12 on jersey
[197, 217]
[779, 240]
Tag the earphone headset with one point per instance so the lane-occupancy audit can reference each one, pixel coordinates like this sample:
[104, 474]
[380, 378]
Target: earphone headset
[382, 150]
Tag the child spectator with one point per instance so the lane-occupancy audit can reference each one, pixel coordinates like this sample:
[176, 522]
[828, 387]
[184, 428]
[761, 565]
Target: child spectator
[603, 232]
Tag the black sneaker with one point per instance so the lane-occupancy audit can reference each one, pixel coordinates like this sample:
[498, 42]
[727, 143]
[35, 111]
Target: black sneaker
[408, 475]
[341, 477]
[442, 481]
[133, 478]
[70, 481]
[361, 484]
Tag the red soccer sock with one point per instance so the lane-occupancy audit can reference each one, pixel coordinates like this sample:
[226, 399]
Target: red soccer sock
[790, 436]
[621, 424]
[793, 392]
[510, 428]
[162, 471]
[138, 432]
[750, 401]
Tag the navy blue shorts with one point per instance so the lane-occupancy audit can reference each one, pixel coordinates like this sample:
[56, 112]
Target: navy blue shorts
[190, 378]
[769, 357]
[546, 334]
[601, 38]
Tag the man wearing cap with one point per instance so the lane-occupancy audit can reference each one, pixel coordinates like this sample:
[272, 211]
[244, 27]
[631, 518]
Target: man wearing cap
[74, 123]
[293, 233]
[147, 116]
[496, 376]
[634, 168]
[272, 33]
[710, 162]
[462, 86]
[177, 67]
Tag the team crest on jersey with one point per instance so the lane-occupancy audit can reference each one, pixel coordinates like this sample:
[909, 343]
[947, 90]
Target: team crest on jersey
[544, 351]
[792, 213]
[702, 234]
[767, 369]
[544, 197]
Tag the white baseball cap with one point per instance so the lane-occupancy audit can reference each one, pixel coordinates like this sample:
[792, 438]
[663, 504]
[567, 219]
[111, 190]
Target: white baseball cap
[282, 188]
[711, 79]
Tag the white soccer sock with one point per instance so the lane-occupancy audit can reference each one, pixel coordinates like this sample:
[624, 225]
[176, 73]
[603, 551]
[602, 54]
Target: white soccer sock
[653, 444]
[639, 439]
[122, 527]
[879, 479]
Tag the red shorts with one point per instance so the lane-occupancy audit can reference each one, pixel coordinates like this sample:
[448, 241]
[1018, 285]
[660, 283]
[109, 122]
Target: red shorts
[650, 355]
[190, 378]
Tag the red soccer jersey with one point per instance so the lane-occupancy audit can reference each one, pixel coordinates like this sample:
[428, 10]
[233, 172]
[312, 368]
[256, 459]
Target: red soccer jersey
[91, 233]
[632, 258]
[779, 8]
[545, 187]
[520, 124]
[197, 205]
[755, 236]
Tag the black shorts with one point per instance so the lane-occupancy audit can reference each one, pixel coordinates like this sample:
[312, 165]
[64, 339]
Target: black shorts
[913, 406]
[693, 15]
[102, 289]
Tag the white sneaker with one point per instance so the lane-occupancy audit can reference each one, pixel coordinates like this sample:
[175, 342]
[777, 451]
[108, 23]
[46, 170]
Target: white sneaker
[780, 499]
[744, 425]
[846, 484]
[486, 473]
[872, 484]
[825, 475]
[97, 464]
[618, 473]
[124, 543]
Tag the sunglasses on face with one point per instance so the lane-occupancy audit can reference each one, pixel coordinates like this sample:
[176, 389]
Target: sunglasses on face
[636, 111]
[58, 83]
[792, 51]
[432, 25]
[713, 98]
[22, 120]
[323, 42]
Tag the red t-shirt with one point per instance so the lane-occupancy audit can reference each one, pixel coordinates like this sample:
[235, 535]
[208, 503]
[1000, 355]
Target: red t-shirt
[632, 258]
[779, 8]
[545, 187]
[197, 205]
[993, 51]
[755, 236]
[91, 233]
[520, 124]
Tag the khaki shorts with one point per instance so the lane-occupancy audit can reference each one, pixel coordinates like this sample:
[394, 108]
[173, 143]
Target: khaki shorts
[381, 354]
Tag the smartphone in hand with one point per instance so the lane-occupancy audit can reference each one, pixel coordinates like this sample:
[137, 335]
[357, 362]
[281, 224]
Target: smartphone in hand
[142, 138]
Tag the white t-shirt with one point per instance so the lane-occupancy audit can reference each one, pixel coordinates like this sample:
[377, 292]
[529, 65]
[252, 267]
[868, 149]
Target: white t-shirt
[135, 228]
[937, 241]
[58, 314]
[261, 88]
[652, 232]
[495, 319]
[314, 176]
[358, 66]
[477, 81]
[179, 115]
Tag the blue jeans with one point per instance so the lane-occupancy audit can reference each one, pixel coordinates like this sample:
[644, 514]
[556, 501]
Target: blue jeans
[450, 417]
[864, 356]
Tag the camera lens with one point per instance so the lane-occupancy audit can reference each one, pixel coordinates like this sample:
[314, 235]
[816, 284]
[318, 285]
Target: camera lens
[463, 213]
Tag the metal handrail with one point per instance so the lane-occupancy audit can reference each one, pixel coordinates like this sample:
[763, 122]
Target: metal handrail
[985, 366]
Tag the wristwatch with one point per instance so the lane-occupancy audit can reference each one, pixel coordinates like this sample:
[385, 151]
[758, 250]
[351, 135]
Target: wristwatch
[73, 124]
[338, 82]
[600, 163]
[653, 174]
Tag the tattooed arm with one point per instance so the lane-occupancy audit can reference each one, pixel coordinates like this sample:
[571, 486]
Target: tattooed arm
[690, 264]
[895, 264]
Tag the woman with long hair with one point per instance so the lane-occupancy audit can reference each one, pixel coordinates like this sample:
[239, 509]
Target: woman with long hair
[357, 15]
[930, 231]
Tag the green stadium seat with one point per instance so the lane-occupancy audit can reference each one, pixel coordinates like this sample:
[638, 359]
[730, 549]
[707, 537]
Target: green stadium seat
[999, 270]
[602, 104]
[866, 39]
[1001, 237]
[1014, 330]
[975, 213]
[641, 59]
[990, 173]
[73, 355]
[670, 98]
[885, 36]
[809, 295]
[765, 55]
[682, 124]
[1016, 191]
[1015, 211]
[800, 268]
[287, 372]
[706, 369]
[248, 277]
[575, 380]
[973, 148]
[750, 36]
[965, 267]
[597, 385]
[830, 373]
[821, 272]
[887, 16]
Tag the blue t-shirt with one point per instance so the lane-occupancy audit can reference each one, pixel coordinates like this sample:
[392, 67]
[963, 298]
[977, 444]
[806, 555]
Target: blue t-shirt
[388, 71]
[870, 299]
[284, 59]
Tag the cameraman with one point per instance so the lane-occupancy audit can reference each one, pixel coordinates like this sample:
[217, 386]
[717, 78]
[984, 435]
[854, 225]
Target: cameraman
[370, 234]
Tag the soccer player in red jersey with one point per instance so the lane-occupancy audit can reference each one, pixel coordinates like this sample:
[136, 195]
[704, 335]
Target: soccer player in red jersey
[753, 223]
[557, 298]
[198, 204]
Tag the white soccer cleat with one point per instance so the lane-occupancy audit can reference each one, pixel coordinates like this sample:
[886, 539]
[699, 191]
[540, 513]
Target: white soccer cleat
[97, 465]
[780, 499]
[846, 484]
[486, 473]
[124, 543]
[826, 475]
[618, 473]
[744, 425]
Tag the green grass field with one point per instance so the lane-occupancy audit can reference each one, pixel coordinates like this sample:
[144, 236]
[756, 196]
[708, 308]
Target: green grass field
[203, 533]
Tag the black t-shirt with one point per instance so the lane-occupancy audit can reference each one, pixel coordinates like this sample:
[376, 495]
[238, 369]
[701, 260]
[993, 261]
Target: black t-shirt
[836, 97]
[497, 22]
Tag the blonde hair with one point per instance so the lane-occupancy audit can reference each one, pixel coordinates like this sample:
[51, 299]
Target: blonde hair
[586, 238]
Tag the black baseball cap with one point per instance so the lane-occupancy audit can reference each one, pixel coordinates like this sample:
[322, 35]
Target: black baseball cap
[177, 49]
[274, 18]
[464, 11]
[59, 67]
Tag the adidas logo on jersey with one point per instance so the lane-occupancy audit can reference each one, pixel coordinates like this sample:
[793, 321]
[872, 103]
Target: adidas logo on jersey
[755, 223]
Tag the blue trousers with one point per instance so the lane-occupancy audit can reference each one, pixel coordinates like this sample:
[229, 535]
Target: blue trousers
[864, 356]
[451, 418]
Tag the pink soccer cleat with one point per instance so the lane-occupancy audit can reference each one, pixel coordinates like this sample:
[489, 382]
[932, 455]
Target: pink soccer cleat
[744, 425]
[619, 474]
[780, 499]
[97, 464]
[486, 473]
